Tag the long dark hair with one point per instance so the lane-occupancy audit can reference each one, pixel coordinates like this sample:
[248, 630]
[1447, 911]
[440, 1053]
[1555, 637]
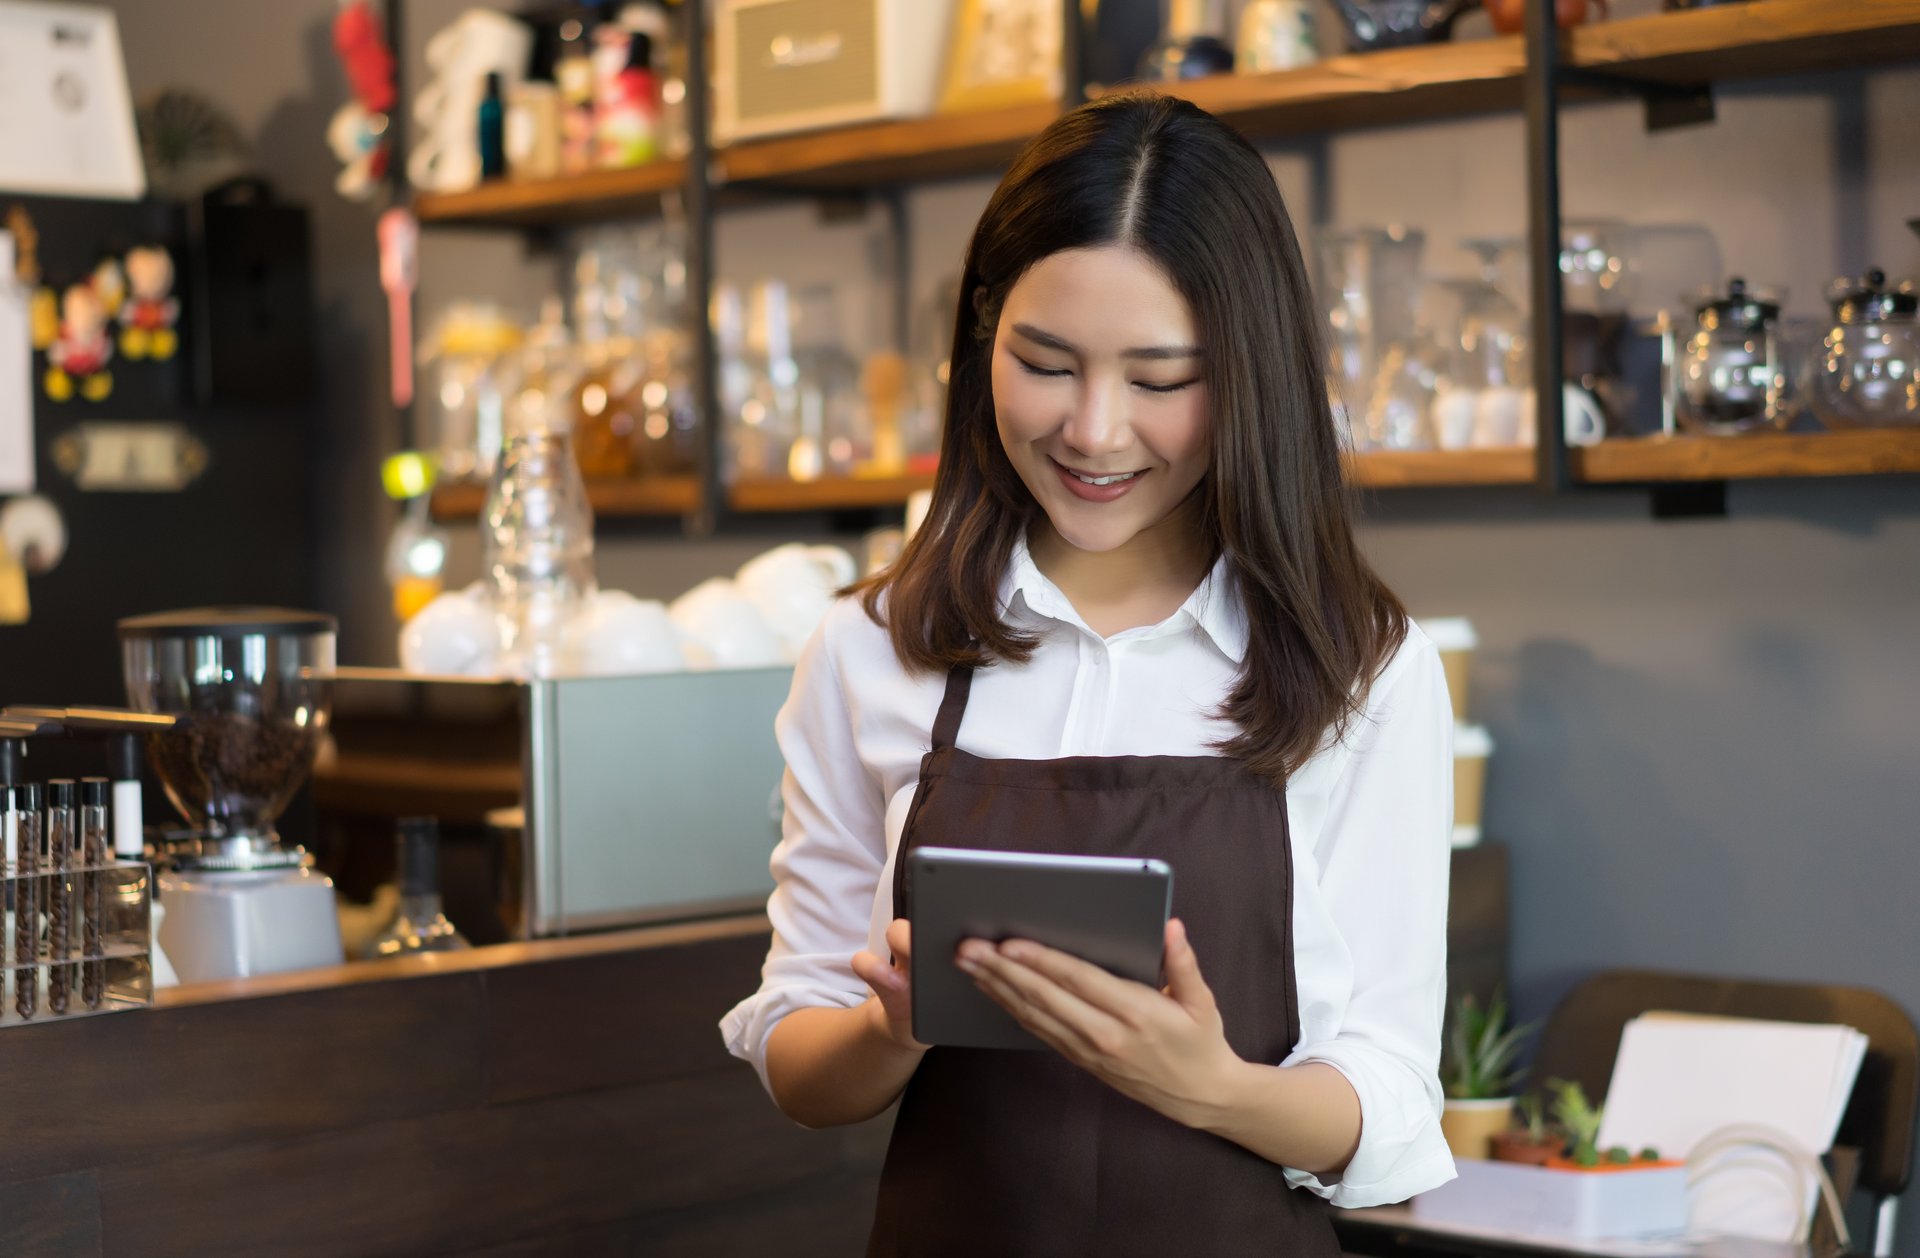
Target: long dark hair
[1172, 181]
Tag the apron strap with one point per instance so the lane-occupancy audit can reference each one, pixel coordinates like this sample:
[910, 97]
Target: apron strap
[946, 726]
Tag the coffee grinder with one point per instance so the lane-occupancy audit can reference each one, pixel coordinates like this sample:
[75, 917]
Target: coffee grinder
[252, 689]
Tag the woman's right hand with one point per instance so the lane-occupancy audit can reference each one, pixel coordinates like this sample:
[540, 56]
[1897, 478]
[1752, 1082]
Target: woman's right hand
[892, 1006]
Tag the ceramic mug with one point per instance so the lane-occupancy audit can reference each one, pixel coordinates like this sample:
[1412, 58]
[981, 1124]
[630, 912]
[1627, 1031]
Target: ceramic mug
[793, 586]
[446, 156]
[1453, 414]
[620, 635]
[721, 628]
[1581, 417]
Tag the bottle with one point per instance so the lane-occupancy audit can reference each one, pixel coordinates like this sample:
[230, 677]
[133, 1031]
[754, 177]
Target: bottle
[627, 109]
[573, 75]
[493, 130]
[422, 926]
[538, 525]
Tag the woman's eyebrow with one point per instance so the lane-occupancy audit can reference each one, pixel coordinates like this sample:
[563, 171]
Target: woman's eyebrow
[1048, 339]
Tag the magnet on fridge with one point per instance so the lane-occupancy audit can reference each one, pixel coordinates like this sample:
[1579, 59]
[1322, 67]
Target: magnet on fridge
[77, 359]
[109, 285]
[147, 319]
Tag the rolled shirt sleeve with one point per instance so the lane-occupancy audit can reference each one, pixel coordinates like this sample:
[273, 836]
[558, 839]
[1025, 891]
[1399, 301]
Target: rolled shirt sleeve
[826, 866]
[1384, 859]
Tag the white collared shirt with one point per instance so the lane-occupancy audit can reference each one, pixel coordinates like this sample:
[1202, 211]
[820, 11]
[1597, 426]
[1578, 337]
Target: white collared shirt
[1371, 820]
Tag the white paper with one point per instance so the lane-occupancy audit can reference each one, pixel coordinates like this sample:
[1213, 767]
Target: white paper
[16, 379]
[66, 118]
[1679, 1077]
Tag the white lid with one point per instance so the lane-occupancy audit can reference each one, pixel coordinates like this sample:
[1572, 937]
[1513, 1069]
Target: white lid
[1450, 633]
[1472, 741]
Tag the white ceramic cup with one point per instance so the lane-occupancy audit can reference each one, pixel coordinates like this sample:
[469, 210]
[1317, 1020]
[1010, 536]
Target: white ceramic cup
[723, 629]
[1584, 422]
[455, 635]
[619, 635]
[1453, 417]
[1497, 414]
[793, 586]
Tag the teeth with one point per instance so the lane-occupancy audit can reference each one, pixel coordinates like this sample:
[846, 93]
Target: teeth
[1103, 480]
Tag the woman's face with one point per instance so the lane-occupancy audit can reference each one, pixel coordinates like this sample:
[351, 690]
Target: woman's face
[1097, 378]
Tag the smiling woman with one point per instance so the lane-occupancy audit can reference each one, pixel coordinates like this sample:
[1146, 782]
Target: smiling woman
[1134, 624]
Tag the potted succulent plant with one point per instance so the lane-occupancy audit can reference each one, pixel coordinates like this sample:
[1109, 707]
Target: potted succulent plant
[1478, 1072]
[1534, 1140]
[1580, 1120]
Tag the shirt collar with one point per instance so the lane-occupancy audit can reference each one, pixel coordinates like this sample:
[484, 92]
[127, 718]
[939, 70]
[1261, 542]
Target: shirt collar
[1214, 606]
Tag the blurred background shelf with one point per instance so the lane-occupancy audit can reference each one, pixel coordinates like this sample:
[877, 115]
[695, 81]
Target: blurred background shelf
[595, 195]
[1408, 469]
[835, 493]
[1743, 41]
[1859, 452]
[941, 147]
[654, 496]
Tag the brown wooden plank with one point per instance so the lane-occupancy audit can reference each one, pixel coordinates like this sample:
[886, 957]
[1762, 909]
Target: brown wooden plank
[1367, 89]
[569, 198]
[641, 496]
[56, 1217]
[1858, 452]
[1403, 469]
[461, 1181]
[942, 146]
[1765, 37]
[160, 1083]
[620, 1019]
[473, 960]
[767, 493]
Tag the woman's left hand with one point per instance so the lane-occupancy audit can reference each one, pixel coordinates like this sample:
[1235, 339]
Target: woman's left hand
[1166, 1049]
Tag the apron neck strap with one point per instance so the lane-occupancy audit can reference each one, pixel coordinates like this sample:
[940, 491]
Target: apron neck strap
[946, 726]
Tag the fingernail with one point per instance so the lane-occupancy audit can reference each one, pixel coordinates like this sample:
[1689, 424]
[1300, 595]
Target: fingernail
[1014, 950]
[974, 950]
[968, 967]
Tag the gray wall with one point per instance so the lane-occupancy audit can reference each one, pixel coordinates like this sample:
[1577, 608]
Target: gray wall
[1705, 729]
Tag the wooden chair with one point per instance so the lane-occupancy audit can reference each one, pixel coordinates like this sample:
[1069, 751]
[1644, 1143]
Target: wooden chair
[1874, 1149]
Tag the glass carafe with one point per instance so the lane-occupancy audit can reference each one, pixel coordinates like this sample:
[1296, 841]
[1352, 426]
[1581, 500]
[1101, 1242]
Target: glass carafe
[1730, 374]
[538, 527]
[1370, 279]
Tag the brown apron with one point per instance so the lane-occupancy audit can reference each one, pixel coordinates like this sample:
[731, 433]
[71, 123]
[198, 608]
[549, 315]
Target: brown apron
[1008, 1153]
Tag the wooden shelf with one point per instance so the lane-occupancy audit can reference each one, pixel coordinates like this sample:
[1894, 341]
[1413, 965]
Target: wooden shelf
[655, 496]
[1857, 452]
[944, 146]
[1448, 79]
[828, 494]
[1412, 469]
[599, 194]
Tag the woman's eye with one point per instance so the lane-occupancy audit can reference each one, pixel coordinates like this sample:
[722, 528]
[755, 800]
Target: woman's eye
[1165, 388]
[1049, 372]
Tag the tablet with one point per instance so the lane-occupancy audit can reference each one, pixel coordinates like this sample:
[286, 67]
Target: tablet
[1108, 910]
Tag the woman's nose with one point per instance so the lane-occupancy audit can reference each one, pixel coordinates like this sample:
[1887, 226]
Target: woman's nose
[1099, 423]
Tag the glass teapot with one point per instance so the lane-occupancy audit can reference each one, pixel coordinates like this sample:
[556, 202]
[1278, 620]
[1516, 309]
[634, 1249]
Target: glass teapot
[1730, 375]
[1866, 370]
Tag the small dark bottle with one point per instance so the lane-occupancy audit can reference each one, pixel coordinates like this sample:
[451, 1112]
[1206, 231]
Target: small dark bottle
[422, 926]
[493, 131]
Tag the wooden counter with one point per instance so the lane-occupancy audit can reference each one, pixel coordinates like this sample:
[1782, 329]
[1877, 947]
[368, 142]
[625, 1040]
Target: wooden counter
[565, 1097]
[556, 1098]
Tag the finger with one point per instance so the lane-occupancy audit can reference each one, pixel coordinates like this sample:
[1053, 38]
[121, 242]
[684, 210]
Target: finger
[1184, 982]
[877, 974]
[1098, 1029]
[1107, 992]
[900, 940]
[1051, 1031]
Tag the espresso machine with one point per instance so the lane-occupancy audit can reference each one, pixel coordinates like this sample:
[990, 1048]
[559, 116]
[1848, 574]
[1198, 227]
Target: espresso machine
[250, 689]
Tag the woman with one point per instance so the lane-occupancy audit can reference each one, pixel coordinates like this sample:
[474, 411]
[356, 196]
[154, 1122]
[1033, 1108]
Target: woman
[1134, 623]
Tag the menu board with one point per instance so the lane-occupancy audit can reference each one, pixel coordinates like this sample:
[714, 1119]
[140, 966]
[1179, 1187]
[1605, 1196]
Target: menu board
[66, 120]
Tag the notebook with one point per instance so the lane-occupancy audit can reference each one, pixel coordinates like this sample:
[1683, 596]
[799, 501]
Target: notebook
[1680, 1076]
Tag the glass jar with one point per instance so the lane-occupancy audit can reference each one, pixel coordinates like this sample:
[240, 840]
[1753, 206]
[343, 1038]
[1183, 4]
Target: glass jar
[1730, 373]
[1866, 370]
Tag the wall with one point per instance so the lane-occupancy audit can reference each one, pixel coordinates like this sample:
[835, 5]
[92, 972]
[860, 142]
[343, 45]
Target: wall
[1705, 728]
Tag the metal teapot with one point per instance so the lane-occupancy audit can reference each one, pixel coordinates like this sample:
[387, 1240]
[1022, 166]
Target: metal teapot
[1374, 24]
